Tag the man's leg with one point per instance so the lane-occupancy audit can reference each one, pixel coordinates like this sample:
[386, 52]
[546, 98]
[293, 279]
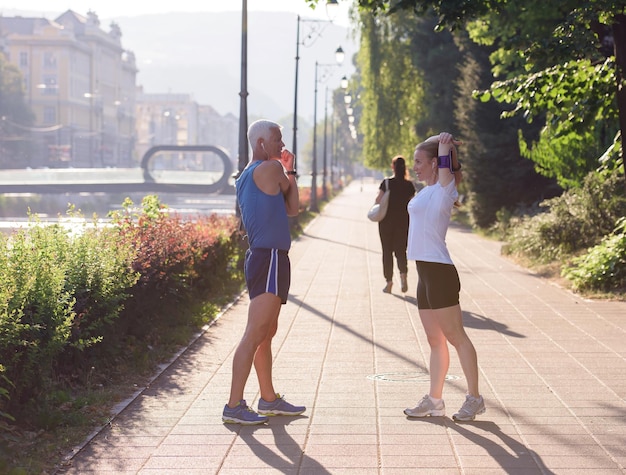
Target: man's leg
[261, 327]
[263, 355]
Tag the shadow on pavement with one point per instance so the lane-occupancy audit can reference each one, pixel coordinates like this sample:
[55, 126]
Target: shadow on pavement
[291, 458]
[473, 320]
[518, 458]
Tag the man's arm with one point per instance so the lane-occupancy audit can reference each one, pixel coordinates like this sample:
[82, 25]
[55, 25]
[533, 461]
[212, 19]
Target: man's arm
[290, 187]
[273, 177]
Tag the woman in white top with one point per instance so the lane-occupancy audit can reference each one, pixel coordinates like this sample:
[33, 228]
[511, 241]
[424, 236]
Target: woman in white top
[436, 164]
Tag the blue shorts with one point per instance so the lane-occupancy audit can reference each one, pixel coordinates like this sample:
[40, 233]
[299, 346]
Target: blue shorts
[267, 271]
[438, 285]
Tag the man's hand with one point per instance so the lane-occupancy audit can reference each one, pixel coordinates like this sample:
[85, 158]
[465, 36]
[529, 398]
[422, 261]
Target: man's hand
[287, 159]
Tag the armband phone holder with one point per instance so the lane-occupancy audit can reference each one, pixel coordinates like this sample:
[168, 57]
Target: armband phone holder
[445, 161]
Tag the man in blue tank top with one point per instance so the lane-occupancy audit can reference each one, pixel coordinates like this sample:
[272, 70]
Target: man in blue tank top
[267, 193]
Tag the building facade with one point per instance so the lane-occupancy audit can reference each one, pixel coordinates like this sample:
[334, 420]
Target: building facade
[177, 119]
[80, 85]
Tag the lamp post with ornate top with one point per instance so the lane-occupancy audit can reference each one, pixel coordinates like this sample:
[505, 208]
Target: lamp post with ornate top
[339, 56]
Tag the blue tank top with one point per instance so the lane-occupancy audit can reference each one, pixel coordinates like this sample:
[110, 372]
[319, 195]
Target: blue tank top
[264, 216]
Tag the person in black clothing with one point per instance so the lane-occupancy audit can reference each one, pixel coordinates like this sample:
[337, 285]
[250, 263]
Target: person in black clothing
[394, 227]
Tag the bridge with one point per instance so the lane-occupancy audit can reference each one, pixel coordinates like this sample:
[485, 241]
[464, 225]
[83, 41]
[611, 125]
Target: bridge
[207, 170]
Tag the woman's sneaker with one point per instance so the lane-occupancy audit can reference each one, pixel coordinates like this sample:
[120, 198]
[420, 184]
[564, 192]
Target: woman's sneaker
[242, 414]
[470, 409]
[427, 407]
[279, 407]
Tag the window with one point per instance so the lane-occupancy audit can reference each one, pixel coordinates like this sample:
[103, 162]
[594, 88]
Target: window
[23, 59]
[49, 86]
[49, 60]
[49, 115]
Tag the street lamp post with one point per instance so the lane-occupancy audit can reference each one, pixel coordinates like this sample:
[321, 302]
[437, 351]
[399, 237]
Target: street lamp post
[54, 89]
[90, 96]
[330, 12]
[243, 94]
[314, 206]
[324, 191]
[339, 55]
[120, 113]
[295, 99]
[333, 154]
[344, 82]
[243, 158]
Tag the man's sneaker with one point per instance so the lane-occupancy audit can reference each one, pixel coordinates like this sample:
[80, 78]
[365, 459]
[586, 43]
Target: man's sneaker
[426, 407]
[470, 409]
[242, 414]
[279, 407]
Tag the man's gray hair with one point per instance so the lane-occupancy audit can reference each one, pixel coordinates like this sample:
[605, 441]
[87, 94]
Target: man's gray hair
[261, 129]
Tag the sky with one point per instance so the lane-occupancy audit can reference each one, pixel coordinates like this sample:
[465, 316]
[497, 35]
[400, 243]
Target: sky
[269, 94]
[115, 8]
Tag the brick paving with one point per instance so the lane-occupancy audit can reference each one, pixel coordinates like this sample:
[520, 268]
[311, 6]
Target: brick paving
[552, 368]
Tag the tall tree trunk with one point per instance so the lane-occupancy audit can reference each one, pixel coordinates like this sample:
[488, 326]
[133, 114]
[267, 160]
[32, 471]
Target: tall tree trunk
[619, 38]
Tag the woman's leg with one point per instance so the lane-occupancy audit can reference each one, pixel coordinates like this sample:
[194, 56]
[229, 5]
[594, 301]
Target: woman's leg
[451, 324]
[399, 248]
[386, 241]
[439, 354]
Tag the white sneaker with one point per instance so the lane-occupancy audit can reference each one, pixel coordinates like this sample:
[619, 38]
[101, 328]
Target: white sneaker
[470, 409]
[426, 407]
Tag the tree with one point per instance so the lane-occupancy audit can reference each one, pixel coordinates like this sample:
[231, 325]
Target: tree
[390, 92]
[347, 143]
[15, 117]
[435, 57]
[404, 63]
[496, 174]
[554, 71]
[582, 30]
[405, 100]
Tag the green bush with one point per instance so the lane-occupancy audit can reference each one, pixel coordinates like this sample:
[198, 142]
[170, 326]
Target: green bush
[603, 267]
[5, 384]
[59, 292]
[566, 225]
[99, 276]
[36, 310]
[79, 309]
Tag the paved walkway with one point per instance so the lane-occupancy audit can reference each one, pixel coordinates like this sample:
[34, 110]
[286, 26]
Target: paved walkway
[552, 368]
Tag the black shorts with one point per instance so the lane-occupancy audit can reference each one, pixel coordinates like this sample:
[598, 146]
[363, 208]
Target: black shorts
[438, 285]
[267, 271]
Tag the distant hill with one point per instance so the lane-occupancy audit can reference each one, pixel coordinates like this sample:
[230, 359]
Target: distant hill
[200, 54]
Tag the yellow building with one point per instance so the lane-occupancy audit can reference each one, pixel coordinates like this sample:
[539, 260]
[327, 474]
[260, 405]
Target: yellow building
[177, 119]
[165, 119]
[80, 84]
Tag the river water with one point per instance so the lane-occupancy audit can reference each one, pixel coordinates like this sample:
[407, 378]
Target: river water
[188, 206]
